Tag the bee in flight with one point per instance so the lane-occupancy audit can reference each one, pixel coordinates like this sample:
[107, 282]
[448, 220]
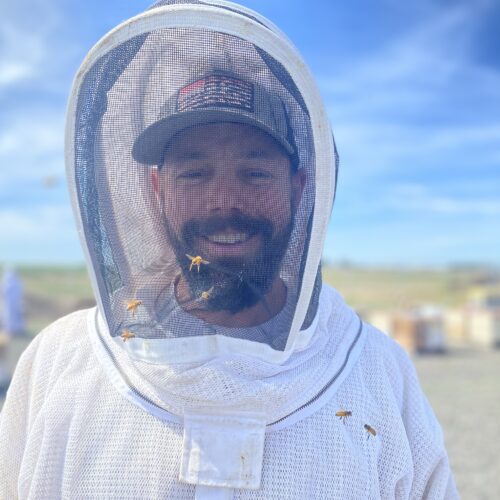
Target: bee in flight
[196, 261]
[127, 334]
[132, 305]
[370, 430]
[343, 414]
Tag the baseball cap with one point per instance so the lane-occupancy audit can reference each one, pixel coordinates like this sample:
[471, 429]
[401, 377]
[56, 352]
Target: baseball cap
[214, 98]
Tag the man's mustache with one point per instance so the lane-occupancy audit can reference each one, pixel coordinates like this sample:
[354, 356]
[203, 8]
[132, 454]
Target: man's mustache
[208, 226]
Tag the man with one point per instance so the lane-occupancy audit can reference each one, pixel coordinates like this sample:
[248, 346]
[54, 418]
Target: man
[216, 365]
[213, 176]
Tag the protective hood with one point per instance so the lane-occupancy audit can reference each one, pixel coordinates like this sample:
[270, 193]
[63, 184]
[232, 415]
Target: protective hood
[202, 170]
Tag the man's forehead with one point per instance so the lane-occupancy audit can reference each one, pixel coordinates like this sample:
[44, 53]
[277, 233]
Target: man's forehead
[213, 136]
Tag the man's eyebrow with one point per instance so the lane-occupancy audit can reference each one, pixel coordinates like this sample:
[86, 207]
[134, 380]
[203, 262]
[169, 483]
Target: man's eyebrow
[256, 153]
[189, 155]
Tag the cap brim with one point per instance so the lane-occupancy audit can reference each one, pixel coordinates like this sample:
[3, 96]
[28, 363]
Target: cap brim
[150, 146]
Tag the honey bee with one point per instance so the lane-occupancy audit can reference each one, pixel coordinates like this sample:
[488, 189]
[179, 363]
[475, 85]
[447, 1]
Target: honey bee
[132, 305]
[343, 414]
[196, 261]
[206, 295]
[370, 430]
[126, 334]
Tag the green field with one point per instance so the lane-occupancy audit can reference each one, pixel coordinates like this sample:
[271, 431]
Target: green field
[396, 289]
[51, 292]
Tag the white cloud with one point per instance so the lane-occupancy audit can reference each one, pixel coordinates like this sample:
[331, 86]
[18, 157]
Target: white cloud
[419, 99]
[451, 206]
[33, 145]
[34, 222]
[26, 36]
[12, 72]
[43, 233]
[419, 238]
[44, 134]
[393, 140]
[416, 62]
[419, 198]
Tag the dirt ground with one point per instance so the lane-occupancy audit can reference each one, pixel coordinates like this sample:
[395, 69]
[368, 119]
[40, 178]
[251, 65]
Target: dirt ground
[464, 390]
[463, 387]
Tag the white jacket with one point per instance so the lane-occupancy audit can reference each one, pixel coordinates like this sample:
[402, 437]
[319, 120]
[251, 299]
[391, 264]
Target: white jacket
[72, 429]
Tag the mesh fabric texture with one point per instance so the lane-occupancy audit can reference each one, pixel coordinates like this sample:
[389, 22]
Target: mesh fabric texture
[123, 221]
[67, 433]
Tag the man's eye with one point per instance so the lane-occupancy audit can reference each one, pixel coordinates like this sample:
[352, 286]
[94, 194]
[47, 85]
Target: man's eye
[258, 175]
[192, 174]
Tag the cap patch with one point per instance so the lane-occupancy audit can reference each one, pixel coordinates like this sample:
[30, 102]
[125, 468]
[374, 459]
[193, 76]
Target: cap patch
[216, 91]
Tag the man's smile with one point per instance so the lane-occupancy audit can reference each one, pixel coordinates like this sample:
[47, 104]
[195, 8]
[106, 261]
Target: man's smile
[228, 238]
[229, 243]
[234, 236]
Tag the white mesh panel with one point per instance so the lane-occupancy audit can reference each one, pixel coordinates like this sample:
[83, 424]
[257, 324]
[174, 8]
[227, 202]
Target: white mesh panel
[123, 218]
[67, 433]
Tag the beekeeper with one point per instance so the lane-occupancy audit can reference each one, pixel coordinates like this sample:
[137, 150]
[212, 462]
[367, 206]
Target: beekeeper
[202, 170]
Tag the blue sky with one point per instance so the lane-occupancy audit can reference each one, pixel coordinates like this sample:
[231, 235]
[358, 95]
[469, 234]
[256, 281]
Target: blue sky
[412, 90]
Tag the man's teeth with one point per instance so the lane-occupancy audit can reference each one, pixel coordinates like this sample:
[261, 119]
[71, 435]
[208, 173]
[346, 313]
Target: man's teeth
[228, 238]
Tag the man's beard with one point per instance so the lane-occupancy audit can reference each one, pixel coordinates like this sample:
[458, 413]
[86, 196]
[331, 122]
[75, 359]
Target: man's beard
[230, 283]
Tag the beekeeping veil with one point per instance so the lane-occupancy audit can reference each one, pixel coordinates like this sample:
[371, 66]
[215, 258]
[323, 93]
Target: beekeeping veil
[158, 109]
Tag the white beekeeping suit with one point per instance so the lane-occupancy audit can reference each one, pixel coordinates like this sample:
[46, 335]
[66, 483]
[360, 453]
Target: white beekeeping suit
[216, 365]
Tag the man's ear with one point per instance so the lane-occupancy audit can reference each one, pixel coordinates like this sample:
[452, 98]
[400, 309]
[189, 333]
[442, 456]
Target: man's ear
[298, 183]
[155, 182]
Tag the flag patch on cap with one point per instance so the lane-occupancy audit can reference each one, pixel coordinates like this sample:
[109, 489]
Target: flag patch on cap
[216, 91]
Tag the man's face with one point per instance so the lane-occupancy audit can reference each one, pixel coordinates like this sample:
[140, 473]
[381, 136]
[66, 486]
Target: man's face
[229, 197]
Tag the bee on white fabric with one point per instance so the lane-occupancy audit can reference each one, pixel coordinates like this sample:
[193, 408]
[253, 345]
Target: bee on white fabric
[196, 261]
[370, 430]
[343, 414]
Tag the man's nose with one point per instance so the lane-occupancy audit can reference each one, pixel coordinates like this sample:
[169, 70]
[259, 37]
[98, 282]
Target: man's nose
[225, 195]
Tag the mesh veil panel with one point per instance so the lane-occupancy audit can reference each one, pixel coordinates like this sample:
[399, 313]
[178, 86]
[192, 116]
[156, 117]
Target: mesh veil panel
[167, 257]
